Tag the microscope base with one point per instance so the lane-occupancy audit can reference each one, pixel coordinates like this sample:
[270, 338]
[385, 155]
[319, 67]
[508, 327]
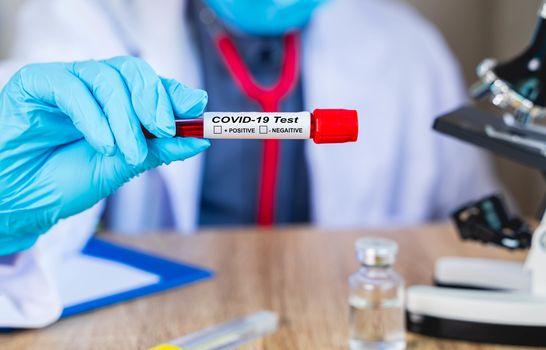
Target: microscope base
[472, 273]
[509, 318]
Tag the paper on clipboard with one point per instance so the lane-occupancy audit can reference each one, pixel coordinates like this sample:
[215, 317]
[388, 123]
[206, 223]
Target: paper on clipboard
[84, 278]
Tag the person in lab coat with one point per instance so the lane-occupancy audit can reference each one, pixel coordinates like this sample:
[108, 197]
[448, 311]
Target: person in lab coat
[376, 56]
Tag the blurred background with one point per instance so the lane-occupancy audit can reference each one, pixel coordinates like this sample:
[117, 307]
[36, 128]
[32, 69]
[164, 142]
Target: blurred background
[474, 29]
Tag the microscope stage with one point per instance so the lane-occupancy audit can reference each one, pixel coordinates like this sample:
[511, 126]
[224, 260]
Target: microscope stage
[470, 124]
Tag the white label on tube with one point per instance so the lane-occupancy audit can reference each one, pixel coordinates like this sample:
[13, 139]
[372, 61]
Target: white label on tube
[257, 125]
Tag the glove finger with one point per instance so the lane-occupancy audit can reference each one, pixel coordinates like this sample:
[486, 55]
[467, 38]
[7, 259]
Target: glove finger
[186, 102]
[112, 95]
[10, 245]
[54, 85]
[149, 98]
[167, 151]
[160, 151]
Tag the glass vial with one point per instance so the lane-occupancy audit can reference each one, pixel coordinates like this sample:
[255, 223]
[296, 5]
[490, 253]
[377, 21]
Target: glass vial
[377, 318]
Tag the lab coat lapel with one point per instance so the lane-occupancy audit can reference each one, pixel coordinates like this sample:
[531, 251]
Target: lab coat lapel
[168, 47]
[341, 74]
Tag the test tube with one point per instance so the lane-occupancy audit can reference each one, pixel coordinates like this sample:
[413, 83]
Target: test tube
[227, 335]
[322, 125]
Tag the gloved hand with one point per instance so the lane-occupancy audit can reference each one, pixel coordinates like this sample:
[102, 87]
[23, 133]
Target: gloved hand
[70, 135]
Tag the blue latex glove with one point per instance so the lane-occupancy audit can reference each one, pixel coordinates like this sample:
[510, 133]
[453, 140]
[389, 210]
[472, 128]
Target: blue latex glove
[70, 135]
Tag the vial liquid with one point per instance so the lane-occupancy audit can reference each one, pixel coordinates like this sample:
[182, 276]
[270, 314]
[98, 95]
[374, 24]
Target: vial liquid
[376, 300]
[322, 126]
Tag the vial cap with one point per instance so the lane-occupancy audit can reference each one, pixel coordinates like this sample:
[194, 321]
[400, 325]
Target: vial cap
[335, 125]
[376, 251]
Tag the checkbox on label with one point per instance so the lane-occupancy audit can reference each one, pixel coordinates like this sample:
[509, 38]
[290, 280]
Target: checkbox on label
[263, 129]
[217, 129]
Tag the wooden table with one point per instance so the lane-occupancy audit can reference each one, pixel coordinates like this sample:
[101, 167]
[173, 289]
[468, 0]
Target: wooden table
[297, 272]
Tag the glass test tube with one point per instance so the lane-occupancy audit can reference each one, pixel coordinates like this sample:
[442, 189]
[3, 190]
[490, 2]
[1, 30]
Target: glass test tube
[323, 125]
[228, 335]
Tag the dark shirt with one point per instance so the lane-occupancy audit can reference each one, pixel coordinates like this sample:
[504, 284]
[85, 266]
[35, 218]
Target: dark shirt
[231, 175]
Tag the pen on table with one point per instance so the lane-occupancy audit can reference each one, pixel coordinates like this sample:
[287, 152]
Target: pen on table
[227, 335]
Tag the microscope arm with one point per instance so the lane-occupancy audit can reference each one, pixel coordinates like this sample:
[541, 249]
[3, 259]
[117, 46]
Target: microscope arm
[536, 259]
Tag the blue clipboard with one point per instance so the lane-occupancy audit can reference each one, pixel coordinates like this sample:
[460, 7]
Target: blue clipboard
[171, 274]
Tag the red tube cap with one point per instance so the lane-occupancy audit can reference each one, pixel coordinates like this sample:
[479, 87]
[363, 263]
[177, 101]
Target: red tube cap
[335, 125]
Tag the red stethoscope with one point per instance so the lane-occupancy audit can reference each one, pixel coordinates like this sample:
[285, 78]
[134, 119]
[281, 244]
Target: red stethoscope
[269, 99]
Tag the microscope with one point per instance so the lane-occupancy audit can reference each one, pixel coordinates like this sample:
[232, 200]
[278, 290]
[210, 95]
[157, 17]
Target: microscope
[485, 300]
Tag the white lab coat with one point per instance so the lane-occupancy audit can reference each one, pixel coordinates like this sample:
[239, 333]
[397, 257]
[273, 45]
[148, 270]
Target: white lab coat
[376, 56]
